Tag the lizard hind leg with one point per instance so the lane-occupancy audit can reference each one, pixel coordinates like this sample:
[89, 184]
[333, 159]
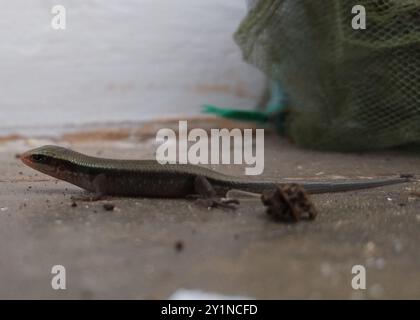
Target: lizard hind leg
[206, 195]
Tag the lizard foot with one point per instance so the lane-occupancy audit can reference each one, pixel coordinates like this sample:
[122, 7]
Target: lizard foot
[217, 202]
[207, 196]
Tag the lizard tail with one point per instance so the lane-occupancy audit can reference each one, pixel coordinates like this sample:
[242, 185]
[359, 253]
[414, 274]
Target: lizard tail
[330, 187]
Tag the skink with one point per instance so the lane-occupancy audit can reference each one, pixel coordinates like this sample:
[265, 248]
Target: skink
[148, 178]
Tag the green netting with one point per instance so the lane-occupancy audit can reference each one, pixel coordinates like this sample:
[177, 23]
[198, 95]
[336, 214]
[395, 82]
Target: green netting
[349, 89]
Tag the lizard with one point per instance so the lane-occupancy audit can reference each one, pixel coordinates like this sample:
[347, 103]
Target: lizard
[149, 178]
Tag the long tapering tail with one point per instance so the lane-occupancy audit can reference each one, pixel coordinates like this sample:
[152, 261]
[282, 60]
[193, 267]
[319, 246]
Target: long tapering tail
[331, 187]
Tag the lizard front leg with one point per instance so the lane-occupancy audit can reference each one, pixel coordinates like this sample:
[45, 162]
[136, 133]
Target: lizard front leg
[98, 193]
[207, 195]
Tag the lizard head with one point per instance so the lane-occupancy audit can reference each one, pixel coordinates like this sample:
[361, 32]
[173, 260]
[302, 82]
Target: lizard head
[46, 159]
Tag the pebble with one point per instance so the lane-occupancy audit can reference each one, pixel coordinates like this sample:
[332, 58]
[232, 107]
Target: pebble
[179, 246]
[370, 248]
[109, 207]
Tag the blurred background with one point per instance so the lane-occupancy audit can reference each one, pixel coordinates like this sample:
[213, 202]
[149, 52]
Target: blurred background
[119, 61]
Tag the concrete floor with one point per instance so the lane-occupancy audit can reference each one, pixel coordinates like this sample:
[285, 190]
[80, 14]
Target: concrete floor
[131, 252]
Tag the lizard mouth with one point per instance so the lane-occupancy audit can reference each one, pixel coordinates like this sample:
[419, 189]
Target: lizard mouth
[29, 159]
[25, 158]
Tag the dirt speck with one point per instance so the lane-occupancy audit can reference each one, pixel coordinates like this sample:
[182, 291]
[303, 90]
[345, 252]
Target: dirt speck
[289, 203]
[179, 246]
[109, 207]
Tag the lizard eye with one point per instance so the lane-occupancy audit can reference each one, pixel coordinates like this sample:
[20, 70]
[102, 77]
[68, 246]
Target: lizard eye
[39, 158]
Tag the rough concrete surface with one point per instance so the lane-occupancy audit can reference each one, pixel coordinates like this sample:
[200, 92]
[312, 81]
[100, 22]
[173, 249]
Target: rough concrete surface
[149, 248]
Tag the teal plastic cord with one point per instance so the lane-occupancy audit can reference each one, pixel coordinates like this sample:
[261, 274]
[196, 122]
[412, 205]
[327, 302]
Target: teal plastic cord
[244, 115]
[278, 99]
[274, 109]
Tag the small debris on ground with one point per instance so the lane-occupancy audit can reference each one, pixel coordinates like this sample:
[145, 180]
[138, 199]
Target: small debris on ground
[415, 194]
[289, 203]
[109, 207]
[407, 176]
[369, 249]
[73, 204]
[179, 245]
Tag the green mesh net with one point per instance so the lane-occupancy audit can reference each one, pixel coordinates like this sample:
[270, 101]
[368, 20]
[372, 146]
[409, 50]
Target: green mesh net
[348, 89]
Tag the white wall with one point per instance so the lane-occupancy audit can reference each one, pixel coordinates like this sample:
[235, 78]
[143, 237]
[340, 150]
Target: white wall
[120, 60]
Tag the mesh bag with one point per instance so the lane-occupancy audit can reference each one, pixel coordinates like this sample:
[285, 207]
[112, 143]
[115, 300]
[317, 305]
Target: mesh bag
[349, 89]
